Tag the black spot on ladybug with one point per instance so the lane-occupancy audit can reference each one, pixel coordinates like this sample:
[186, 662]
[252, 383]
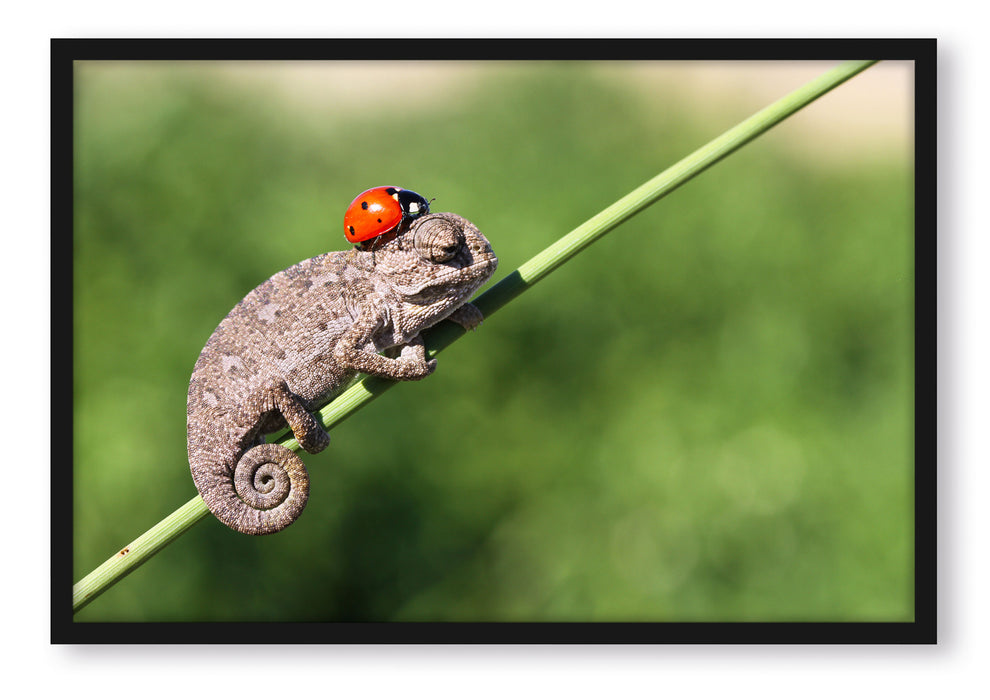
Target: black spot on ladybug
[379, 221]
[364, 205]
[351, 229]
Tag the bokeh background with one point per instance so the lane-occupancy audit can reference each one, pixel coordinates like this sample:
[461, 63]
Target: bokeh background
[706, 416]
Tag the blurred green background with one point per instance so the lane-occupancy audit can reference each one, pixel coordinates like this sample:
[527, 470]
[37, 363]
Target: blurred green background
[707, 415]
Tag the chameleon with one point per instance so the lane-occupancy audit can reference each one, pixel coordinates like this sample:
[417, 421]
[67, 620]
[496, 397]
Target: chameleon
[298, 339]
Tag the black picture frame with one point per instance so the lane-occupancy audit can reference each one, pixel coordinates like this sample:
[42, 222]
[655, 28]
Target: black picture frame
[65, 51]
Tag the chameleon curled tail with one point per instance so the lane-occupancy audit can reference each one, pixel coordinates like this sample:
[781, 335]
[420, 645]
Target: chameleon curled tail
[265, 494]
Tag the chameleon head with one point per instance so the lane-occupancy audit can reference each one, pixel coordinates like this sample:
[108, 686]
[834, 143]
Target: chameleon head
[439, 250]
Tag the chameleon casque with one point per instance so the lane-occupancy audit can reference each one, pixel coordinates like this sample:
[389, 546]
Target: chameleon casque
[297, 340]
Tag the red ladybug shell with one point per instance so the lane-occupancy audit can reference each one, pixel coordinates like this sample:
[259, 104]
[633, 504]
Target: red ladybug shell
[380, 210]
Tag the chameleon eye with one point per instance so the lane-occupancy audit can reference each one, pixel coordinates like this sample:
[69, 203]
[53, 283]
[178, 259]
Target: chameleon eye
[438, 240]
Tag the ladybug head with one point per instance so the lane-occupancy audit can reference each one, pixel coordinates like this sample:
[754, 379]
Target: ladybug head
[412, 203]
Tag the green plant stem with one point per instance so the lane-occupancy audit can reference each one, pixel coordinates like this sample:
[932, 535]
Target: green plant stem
[528, 274]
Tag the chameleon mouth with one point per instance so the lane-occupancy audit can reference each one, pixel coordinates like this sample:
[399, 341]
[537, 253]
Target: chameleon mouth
[471, 276]
[490, 263]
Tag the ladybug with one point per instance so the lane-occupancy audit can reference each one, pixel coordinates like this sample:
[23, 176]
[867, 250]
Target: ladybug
[382, 210]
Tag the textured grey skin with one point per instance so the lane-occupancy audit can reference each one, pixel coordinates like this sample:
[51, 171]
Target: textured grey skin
[296, 340]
